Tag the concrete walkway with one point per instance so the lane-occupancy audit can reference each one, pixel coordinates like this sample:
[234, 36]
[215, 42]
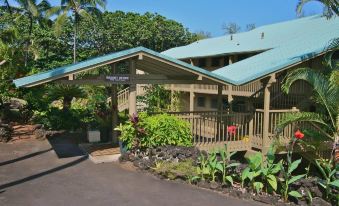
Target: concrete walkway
[31, 173]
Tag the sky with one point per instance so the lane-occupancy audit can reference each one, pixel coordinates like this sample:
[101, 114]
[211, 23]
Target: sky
[209, 15]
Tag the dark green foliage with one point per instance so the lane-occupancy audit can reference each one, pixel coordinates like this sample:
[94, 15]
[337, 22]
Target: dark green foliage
[57, 119]
[153, 131]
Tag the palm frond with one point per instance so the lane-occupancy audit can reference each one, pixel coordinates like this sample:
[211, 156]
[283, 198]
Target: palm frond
[325, 93]
[59, 22]
[301, 4]
[311, 117]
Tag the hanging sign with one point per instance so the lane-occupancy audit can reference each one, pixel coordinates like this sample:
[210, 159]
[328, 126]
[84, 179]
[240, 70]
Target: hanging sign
[118, 78]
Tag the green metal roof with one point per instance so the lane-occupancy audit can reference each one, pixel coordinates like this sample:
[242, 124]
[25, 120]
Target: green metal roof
[103, 60]
[283, 44]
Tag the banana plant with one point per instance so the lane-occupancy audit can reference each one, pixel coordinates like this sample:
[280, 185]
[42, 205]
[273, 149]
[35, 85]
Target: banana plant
[253, 171]
[203, 168]
[269, 170]
[328, 172]
[214, 165]
[225, 157]
[288, 179]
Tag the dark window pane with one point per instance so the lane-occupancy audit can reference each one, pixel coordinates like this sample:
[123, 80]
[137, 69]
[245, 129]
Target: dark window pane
[201, 101]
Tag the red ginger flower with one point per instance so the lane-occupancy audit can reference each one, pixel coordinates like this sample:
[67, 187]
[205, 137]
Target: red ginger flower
[298, 134]
[232, 129]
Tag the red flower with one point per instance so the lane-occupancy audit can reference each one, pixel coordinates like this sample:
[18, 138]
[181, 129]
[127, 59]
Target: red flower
[232, 129]
[298, 134]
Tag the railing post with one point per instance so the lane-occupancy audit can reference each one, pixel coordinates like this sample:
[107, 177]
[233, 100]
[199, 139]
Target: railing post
[220, 111]
[267, 95]
[114, 107]
[250, 130]
[132, 91]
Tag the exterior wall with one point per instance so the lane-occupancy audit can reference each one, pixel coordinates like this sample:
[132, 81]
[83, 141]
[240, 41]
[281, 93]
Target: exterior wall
[298, 96]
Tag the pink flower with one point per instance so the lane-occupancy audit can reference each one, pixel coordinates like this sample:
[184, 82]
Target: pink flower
[298, 134]
[232, 129]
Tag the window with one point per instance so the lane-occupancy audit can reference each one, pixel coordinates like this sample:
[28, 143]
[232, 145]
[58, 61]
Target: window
[201, 101]
[215, 62]
[226, 61]
[202, 62]
[214, 103]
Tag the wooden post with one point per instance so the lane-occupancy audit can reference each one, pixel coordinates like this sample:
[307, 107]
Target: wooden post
[267, 99]
[192, 98]
[230, 97]
[132, 101]
[220, 110]
[192, 93]
[114, 107]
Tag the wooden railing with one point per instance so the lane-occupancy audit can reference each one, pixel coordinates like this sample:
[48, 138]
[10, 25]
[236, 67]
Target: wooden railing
[210, 129]
[123, 97]
[245, 90]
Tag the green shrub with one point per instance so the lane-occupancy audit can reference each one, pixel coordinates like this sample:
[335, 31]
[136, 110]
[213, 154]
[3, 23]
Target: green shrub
[57, 119]
[164, 129]
[154, 131]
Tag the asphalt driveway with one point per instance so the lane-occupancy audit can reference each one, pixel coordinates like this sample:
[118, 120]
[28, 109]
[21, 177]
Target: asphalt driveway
[37, 173]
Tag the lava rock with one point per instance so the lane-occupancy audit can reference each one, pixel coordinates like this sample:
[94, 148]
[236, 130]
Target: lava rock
[5, 132]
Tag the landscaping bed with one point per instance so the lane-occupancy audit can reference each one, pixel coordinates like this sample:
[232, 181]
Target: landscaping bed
[179, 163]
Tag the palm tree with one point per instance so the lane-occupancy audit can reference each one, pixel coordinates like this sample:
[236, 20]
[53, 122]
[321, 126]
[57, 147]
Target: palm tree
[332, 6]
[34, 12]
[325, 85]
[5, 4]
[66, 93]
[79, 9]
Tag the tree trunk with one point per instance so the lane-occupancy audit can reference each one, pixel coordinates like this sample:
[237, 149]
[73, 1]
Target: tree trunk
[29, 38]
[66, 104]
[75, 37]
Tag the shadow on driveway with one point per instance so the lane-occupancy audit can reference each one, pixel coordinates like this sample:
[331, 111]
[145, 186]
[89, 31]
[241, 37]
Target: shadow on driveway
[32, 177]
[24, 157]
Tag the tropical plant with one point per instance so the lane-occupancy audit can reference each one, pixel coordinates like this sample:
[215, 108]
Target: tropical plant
[326, 95]
[154, 131]
[79, 9]
[253, 171]
[331, 6]
[262, 174]
[155, 99]
[227, 176]
[35, 12]
[214, 166]
[203, 166]
[328, 180]
[164, 129]
[287, 168]
[66, 93]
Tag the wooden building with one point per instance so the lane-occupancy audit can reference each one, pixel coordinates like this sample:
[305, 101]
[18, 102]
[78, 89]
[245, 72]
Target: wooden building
[230, 86]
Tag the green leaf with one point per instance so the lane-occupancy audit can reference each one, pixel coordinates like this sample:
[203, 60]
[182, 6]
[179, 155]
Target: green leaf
[245, 173]
[272, 180]
[295, 178]
[335, 183]
[294, 165]
[295, 194]
[219, 166]
[233, 165]
[230, 179]
[258, 186]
